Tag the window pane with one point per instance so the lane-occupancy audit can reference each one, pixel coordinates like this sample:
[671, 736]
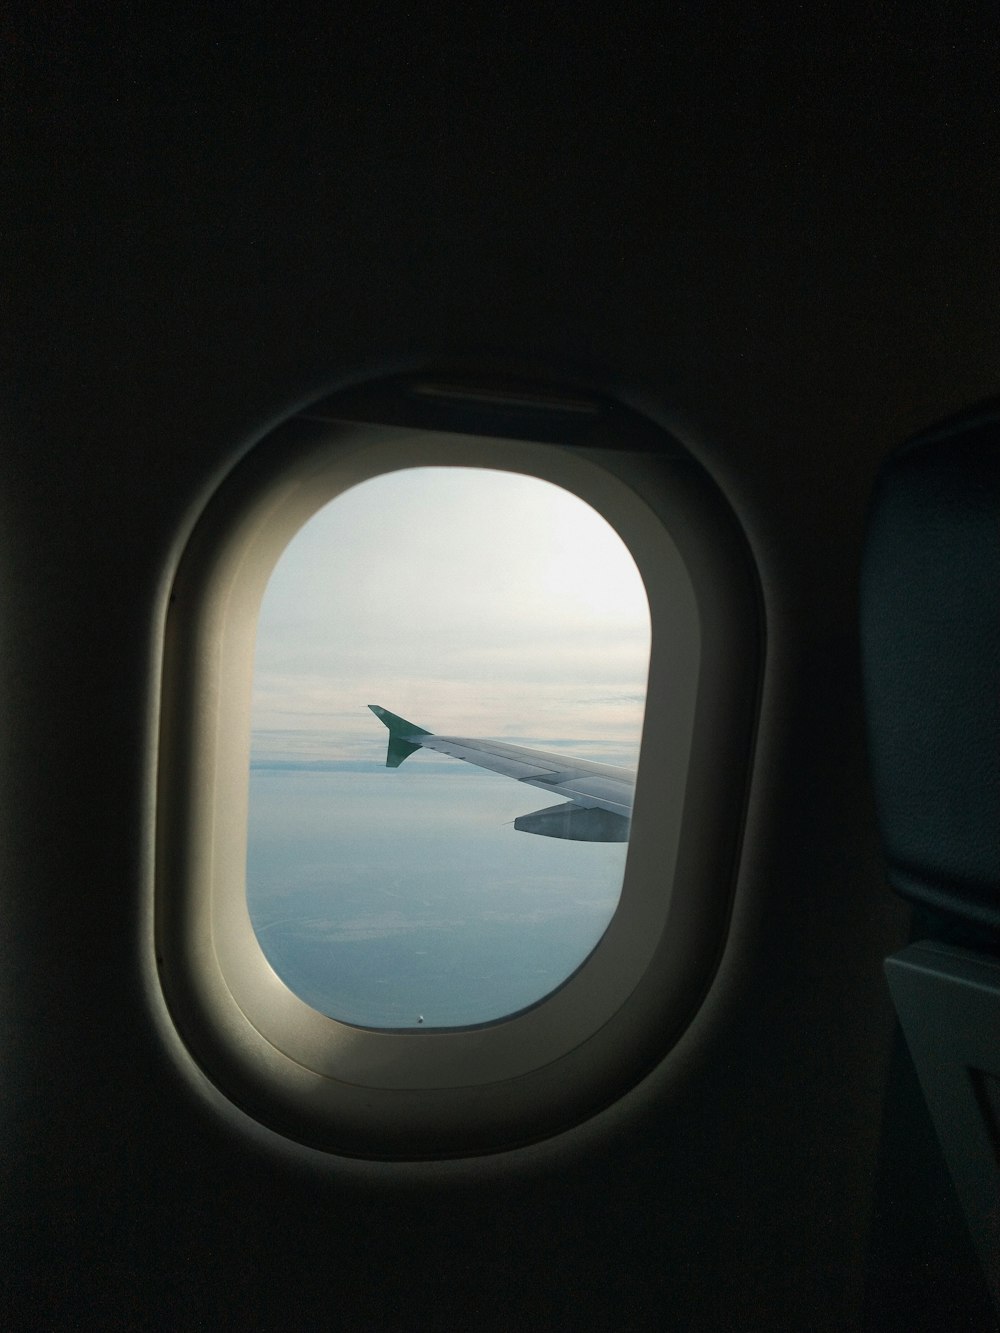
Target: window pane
[476, 603]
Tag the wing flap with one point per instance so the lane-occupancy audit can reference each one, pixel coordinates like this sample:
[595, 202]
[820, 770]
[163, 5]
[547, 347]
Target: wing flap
[608, 794]
[579, 823]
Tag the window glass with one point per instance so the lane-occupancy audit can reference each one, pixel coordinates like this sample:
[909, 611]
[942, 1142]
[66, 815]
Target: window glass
[477, 604]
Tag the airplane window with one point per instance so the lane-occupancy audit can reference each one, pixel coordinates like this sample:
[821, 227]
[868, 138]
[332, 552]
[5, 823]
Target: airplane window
[419, 890]
[507, 617]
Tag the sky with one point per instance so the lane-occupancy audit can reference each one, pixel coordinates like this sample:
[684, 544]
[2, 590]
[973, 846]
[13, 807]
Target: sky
[475, 603]
[471, 601]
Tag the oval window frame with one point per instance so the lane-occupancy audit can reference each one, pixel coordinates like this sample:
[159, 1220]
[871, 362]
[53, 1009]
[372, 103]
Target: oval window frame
[445, 1092]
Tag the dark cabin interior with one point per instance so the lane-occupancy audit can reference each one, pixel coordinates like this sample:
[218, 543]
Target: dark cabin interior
[772, 232]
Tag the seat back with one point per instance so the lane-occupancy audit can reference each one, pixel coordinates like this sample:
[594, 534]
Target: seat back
[930, 635]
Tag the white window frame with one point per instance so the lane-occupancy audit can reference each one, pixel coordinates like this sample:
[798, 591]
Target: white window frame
[442, 1092]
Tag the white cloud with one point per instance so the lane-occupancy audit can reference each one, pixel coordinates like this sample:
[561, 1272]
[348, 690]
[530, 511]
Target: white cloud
[474, 602]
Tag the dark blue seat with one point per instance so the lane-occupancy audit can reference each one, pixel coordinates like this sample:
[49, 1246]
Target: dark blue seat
[930, 636]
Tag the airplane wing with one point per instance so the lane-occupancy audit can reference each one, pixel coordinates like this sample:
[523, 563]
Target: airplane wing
[598, 797]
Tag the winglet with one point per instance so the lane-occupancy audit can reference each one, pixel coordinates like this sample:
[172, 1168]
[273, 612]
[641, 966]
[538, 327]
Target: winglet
[402, 735]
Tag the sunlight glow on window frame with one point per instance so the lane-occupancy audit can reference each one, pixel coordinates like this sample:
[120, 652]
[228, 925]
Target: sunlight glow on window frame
[392, 1093]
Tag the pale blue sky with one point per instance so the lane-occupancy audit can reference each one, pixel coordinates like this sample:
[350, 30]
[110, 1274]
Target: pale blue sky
[472, 601]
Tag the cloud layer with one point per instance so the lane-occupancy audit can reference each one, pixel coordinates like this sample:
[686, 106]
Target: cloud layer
[475, 602]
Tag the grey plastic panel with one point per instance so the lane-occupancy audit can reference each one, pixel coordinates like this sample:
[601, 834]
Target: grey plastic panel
[948, 1001]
